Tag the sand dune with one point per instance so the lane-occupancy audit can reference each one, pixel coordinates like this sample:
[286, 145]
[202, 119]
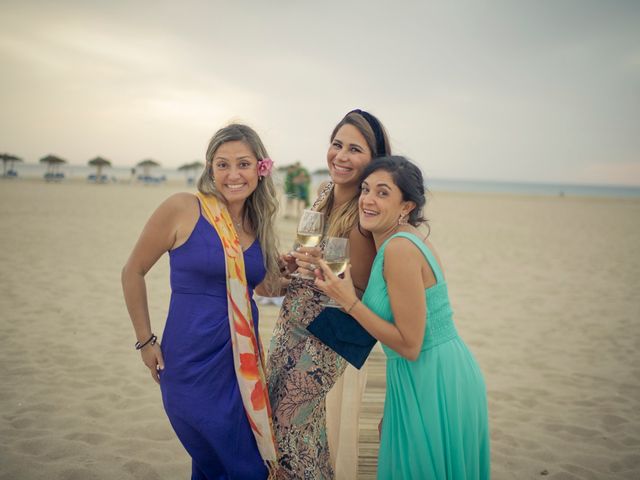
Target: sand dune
[545, 292]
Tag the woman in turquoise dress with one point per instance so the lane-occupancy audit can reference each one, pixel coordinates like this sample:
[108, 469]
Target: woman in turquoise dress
[435, 423]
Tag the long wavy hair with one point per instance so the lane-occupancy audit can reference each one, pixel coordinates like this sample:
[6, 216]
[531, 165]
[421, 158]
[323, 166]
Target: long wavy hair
[260, 207]
[343, 218]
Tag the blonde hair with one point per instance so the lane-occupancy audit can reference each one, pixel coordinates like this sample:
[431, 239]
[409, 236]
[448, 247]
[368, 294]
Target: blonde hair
[343, 218]
[260, 207]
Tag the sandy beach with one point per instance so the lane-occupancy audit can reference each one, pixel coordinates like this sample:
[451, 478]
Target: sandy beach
[545, 290]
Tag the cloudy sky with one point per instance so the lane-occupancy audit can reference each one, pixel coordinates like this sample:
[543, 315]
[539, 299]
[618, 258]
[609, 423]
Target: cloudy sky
[519, 91]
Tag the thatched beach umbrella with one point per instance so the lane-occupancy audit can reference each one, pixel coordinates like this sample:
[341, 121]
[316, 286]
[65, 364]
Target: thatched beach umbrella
[147, 165]
[10, 159]
[191, 169]
[53, 163]
[99, 163]
[197, 165]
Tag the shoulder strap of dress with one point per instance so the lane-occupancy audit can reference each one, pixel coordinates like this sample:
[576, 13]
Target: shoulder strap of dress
[199, 204]
[326, 190]
[431, 259]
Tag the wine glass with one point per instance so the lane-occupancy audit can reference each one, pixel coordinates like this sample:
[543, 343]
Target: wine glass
[336, 256]
[309, 233]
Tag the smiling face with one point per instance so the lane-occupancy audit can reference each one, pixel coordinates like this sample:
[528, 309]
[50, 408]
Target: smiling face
[347, 156]
[381, 204]
[235, 170]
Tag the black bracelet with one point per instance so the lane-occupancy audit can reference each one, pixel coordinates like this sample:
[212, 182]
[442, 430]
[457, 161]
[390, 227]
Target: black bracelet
[152, 340]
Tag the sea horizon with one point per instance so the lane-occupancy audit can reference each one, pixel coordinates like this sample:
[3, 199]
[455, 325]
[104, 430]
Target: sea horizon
[117, 174]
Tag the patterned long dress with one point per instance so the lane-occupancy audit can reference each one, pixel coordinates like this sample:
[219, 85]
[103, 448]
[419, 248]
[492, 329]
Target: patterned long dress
[300, 372]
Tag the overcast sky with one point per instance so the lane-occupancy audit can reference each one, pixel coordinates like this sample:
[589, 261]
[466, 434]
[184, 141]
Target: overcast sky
[531, 91]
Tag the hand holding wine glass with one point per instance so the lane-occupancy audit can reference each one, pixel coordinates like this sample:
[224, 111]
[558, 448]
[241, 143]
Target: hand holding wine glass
[340, 289]
[308, 235]
[336, 257]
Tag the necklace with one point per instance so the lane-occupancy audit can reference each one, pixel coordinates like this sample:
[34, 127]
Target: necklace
[237, 223]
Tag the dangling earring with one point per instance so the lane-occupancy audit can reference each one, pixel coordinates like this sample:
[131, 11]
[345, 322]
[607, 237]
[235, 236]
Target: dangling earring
[403, 220]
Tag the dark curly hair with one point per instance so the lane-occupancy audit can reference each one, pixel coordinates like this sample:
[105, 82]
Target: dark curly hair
[408, 178]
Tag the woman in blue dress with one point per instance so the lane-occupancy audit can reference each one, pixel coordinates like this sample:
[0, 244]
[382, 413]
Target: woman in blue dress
[210, 369]
[435, 423]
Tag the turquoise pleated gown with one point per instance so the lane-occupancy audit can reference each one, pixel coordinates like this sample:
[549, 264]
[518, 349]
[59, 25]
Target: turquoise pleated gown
[435, 414]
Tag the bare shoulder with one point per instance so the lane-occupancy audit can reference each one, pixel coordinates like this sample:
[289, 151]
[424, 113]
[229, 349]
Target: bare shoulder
[403, 263]
[402, 250]
[180, 203]
[400, 246]
[401, 254]
[182, 199]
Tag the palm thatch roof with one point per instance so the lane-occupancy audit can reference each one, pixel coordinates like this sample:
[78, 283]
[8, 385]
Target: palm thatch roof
[99, 162]
[52, 160]
[197, 165]
[148, 163]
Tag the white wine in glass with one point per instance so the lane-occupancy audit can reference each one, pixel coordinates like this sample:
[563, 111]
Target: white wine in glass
[310, 228]
[336, 256]
[309, 232]
[338, 266]
[308, 239]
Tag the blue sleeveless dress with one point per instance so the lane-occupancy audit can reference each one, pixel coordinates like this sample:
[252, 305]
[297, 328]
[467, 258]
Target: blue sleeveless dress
[199, 387]
[435, 423]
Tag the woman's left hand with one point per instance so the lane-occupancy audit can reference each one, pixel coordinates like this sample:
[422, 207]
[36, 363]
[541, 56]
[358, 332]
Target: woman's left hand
[287, 264]
[340, 289]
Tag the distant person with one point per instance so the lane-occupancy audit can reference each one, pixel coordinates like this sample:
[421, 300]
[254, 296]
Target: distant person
[302, 183]
[435, 422]
[221, 245]
[290, 192]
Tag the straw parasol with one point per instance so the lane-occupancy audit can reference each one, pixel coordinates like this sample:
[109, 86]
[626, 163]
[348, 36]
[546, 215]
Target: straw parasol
[197, 165]
[53, 166]
[147, 165]
[10, 159]
[99, 163]
[191, 169]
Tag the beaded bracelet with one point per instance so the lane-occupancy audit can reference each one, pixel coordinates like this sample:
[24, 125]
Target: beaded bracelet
[152, 340]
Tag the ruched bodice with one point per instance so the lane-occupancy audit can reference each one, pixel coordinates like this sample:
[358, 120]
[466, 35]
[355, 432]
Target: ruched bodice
[440, 326]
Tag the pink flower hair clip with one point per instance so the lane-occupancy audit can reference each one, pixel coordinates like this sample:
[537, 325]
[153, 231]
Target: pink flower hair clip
[264, 167]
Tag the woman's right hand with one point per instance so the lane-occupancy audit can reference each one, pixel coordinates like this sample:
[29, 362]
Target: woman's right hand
[307, 259]
[152, 358]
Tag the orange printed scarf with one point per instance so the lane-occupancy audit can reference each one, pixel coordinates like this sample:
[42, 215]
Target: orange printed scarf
[247, 356]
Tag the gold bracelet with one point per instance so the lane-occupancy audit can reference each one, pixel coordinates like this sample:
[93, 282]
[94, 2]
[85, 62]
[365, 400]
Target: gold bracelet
[352, 305]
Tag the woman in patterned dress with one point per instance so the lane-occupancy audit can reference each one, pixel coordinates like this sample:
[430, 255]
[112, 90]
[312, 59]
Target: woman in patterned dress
[301, 370]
